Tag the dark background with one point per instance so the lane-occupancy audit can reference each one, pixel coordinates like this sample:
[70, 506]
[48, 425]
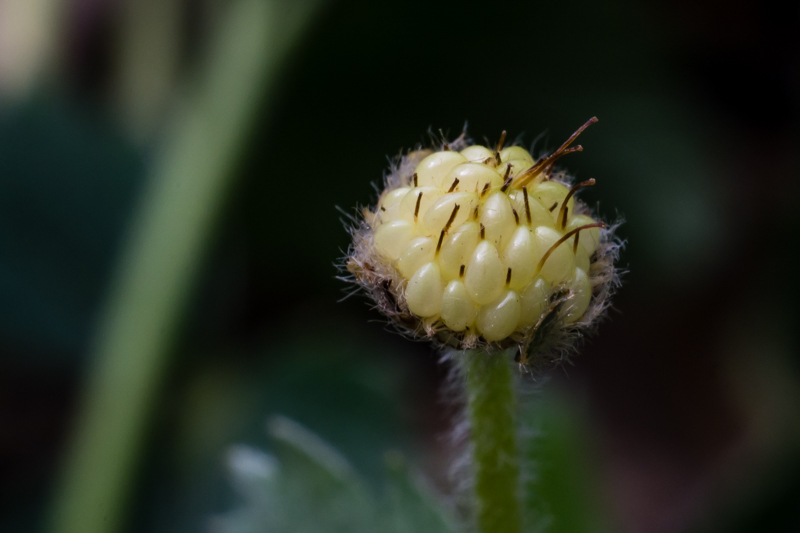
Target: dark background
[684, 406]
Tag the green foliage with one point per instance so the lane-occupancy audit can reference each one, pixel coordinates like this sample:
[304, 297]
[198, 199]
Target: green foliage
[561, 493]
[160, 262]
[308, 487]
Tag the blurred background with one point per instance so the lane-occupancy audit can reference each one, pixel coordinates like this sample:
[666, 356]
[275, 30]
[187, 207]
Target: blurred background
[169, 176]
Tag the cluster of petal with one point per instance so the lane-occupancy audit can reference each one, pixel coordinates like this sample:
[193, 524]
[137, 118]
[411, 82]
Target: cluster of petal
[474, 245]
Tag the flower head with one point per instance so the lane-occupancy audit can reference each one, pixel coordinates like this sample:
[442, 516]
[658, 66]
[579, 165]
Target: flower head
[475, 246]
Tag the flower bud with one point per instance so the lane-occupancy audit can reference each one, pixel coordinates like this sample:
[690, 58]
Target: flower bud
[471, 245]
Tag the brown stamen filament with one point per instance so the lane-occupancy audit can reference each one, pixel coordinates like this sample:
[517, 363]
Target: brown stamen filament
[575, 244]
[506, 184]
[485, 189]
[547, 170]
[499, 147]
[483, 232]
[575, 135]
[461, 271]
[527, 205]
[546, 162]
[441, 238]
[516, 216]
[552, 207]
[416, 208]
[508, 276]
[562, 215]
[453, 186]
[501, 141]
[561, 241]
[452, 217]
[415, 180]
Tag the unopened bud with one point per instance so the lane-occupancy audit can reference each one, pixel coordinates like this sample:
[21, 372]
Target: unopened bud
[472, 245]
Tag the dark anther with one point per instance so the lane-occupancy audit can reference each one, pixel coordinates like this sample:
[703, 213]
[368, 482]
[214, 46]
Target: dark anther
[564, 238]
[527, 206]
[545, 163]
[501, 141]
[452, 217]
[575, 188]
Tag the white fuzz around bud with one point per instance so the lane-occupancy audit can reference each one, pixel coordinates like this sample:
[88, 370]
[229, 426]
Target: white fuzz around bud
[473, 246]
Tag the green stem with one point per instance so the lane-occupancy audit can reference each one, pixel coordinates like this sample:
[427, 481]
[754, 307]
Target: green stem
[491, 405]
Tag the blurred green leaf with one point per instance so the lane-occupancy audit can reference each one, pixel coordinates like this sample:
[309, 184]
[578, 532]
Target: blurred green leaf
[412, 506]
[561, 492]
[309, 487]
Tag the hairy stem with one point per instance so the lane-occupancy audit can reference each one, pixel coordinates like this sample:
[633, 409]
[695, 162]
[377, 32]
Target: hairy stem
[490, 406]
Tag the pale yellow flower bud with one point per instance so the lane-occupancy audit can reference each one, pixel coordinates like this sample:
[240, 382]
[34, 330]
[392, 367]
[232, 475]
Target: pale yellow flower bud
[484, 245]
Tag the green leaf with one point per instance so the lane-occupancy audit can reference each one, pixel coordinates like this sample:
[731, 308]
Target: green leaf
[412, 506]
[308, 487]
